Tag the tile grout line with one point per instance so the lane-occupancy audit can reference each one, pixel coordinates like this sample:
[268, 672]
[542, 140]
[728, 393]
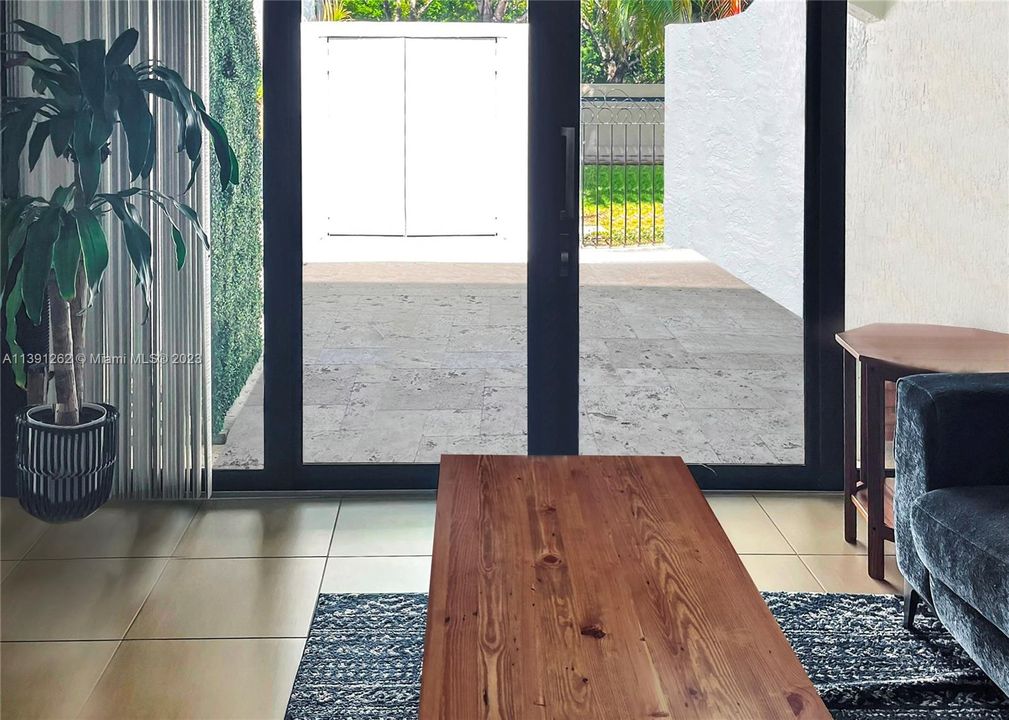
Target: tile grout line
[812, 574]
[780, 531]
[160, 575]
[325, 565]
[98, 679]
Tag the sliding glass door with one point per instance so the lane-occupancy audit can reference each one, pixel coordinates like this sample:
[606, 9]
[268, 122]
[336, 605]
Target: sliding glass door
[702, 272]
[491, 236]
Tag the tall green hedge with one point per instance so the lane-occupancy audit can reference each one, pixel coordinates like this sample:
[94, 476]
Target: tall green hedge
[236, 213]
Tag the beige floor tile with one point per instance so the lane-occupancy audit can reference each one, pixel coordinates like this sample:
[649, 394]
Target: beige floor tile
[784, 573]
[225, 598]
[377, 575]
[189, 679]
[120, 529]
[260, 528]
[813, 523]
[18, 530]
[5, 567]
[75, 599]
[849, 574]
[50, 680]
[749, 528]
[388, 526]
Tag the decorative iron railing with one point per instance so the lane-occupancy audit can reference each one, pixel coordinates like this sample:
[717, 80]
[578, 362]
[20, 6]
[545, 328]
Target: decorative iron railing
[622, 170]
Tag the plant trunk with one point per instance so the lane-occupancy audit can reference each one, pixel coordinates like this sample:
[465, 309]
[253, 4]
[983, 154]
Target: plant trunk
[35, 343]
[77, 319]
[66, 410]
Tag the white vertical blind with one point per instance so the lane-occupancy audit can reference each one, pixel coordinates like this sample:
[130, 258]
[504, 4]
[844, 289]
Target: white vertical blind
[160, 378]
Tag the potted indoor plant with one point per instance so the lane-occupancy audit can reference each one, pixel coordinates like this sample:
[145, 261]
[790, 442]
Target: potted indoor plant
[55, 250]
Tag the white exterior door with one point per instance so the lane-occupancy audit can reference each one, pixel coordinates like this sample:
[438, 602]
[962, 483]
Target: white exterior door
[363, 136]
[452, 125]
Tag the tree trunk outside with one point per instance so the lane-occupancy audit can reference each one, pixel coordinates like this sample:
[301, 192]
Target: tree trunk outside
[67, 410]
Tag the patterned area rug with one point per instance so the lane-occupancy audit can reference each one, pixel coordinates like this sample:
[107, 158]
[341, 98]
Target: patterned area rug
[363, 656]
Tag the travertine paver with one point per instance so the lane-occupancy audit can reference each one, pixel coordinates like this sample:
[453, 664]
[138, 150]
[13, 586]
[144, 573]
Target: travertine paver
[403, 363]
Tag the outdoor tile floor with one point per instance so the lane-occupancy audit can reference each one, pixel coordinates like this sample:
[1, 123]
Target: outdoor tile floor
[404, 362]
[200, 610]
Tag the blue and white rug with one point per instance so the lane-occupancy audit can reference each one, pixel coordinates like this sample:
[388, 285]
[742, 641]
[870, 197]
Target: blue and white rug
[363, 656]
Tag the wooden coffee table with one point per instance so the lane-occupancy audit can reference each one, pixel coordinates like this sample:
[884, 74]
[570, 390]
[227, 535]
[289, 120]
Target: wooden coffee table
[882, 353]
[595, 587]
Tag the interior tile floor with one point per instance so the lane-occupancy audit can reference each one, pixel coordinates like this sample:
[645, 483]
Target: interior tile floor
[406, 361]
[200, 610]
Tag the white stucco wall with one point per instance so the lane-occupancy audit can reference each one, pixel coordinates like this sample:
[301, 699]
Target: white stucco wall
[734, 169]
[927, 207]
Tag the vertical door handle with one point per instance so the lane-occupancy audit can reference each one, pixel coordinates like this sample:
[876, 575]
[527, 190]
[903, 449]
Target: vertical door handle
[570, 136]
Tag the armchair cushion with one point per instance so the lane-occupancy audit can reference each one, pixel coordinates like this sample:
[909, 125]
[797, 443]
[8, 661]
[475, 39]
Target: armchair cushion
[962, 536]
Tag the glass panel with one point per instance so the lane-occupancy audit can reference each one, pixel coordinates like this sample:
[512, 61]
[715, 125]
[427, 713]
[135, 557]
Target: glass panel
[692, 226]
[237, 230]
[414, 191]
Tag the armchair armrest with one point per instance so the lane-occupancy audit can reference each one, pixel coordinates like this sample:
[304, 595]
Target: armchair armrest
[952, 430]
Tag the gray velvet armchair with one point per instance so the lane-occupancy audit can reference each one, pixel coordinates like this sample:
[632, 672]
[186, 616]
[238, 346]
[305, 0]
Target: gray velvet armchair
[951, 508]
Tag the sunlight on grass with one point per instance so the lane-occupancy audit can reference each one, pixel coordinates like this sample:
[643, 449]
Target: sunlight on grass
[622, 205]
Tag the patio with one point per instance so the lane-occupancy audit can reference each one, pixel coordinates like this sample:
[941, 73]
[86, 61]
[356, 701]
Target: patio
[406, 361]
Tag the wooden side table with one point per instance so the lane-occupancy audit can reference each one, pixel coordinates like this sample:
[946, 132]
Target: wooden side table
[883, 353]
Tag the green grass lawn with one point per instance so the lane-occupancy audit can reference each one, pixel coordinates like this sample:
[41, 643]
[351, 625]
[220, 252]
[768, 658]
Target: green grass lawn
[622, 206]
[603, 184]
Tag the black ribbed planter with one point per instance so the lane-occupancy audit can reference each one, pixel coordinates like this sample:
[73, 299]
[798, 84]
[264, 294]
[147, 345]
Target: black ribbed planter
[65, 472]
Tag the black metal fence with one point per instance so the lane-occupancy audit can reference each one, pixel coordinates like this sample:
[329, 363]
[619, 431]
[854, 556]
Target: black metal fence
[622, 170]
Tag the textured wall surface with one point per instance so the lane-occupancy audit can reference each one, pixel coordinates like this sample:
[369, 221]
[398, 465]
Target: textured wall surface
[735, 103]
[927, 226]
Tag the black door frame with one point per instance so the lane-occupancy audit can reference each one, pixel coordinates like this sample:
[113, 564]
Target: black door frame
[553, 288]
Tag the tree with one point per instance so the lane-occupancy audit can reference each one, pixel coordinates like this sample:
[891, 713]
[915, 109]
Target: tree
[497, 10]
[625, 34]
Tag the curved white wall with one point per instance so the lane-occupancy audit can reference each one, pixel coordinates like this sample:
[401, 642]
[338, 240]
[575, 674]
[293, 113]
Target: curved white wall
[734, 170]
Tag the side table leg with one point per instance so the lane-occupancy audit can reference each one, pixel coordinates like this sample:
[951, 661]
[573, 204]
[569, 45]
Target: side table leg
[873, 459]
[850, 449]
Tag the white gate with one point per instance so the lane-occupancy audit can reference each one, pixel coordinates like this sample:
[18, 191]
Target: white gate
[414, 132]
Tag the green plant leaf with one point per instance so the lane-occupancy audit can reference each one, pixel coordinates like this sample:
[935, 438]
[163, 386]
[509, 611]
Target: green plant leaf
[136, 118]
[234, 165]
[91, 62]
[66, 258]
[189, 123]
[177, 238]
[16, 242]
[38, 141]
[180, 247]
[13, 226]
[38, 259]
[122, 46]
[12, 307]
[90, 133]
[10, 215]
[94, 246]
[152, 153]
[15, 135]
[222, 148]
[60, 130]
[138, 242]
[183, 209]
[155, 87]
[35, 35]
[61, 196]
